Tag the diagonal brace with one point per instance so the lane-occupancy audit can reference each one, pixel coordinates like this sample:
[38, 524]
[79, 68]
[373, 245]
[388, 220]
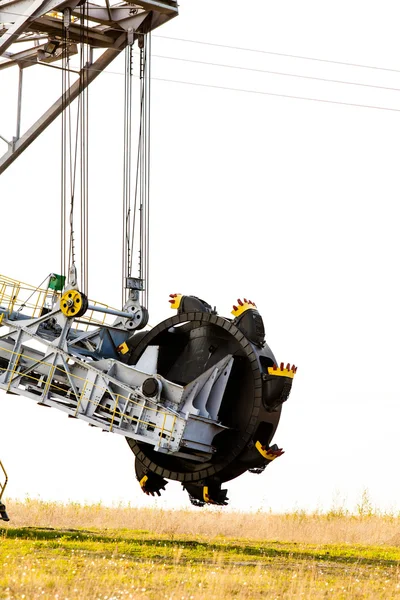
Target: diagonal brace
[54, 111]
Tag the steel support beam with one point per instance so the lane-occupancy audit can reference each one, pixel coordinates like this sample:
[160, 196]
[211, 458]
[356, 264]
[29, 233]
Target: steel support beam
[19, 107]
[54, 27]
[161, 7]
[23, 59]
[22, 21]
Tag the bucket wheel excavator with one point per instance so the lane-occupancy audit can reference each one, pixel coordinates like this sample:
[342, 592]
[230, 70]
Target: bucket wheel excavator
[197, 397]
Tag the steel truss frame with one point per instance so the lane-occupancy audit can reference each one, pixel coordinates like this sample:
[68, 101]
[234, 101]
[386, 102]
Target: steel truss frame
[108, 393]
[38, 25]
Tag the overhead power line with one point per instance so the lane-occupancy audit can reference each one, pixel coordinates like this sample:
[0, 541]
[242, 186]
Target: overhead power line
[325, 80]
[231, 89]
[243, 49]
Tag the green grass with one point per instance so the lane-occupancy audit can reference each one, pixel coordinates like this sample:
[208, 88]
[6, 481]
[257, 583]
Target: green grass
[120, 563]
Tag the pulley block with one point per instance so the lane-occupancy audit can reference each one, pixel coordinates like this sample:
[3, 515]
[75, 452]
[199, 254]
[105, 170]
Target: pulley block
[73, 304]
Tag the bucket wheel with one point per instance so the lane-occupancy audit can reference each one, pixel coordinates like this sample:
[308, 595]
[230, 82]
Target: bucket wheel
[189, 344]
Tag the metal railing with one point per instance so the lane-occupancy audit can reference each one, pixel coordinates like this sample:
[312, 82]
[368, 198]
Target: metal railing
[111, 413]
[31, 301]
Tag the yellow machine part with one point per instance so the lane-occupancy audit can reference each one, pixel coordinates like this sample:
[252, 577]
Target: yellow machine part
[206, 496]
[265, 453]
[142, 482]
[282, 371]
[123, 348]
[71, 303]
[175, 301]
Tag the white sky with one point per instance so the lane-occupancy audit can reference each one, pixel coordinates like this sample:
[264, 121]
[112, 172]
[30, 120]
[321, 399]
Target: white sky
[289, 202]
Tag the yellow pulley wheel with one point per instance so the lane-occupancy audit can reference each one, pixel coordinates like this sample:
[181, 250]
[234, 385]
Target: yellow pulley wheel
[73, 303]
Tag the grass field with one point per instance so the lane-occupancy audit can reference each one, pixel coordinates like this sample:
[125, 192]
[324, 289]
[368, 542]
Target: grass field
[92, 552]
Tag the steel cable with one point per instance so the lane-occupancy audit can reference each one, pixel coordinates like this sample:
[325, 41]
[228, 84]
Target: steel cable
[126, 207]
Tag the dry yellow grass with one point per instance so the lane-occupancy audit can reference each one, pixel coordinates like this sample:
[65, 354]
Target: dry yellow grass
[317, 528]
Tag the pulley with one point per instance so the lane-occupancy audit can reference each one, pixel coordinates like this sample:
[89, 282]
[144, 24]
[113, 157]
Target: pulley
[73, 304]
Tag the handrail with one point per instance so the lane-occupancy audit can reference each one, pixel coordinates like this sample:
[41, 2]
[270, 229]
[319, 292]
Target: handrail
[114, 412]
[11, 299]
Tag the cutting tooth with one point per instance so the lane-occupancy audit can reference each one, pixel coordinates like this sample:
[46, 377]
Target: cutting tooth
[240, 302]
[288, 366]
[282, 366]
[275, 367]
[235, 307]
[245, 300]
